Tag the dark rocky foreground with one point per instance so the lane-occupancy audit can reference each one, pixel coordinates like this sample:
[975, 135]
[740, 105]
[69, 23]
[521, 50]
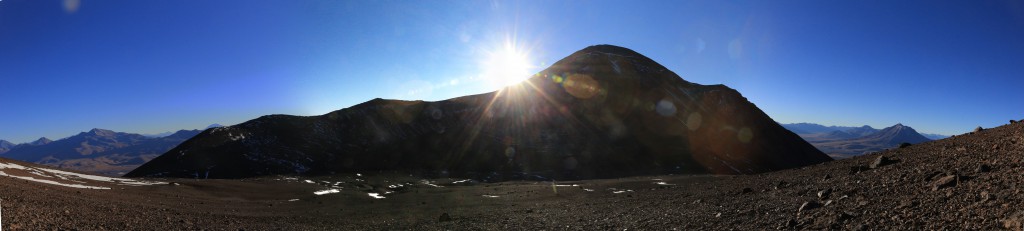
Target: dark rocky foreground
[971, 181]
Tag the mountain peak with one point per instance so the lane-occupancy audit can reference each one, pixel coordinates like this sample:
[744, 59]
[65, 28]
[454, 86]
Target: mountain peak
[608, 101]
[184, 134]
[6, 144]
[213, 126]
[612, 49]
[101, 132]
[40, 141]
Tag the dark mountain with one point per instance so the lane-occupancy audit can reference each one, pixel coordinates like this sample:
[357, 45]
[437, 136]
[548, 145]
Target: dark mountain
[889, 137]
[897, 134]
[164, 134]
[813, 128]
[158, 135]
[604, 111]
[40, 141]
[934, 136]
[861, 131]
[842, 133]
[99, 151]
[5, 146]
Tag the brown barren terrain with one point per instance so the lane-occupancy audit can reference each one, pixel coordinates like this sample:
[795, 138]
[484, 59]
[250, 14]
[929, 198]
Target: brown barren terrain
[972, 181]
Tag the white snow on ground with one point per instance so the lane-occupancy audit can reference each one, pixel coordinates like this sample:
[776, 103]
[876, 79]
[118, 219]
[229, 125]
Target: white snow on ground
[79, 180]
[426, 182]
[375, 195]
[663, 183]
[52, 182]
[121, 181]
[324, 192]
[491, 196]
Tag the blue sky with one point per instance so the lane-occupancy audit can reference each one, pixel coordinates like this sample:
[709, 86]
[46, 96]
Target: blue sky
[154, 66]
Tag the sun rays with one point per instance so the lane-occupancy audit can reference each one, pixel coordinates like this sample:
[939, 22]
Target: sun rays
[507, 64]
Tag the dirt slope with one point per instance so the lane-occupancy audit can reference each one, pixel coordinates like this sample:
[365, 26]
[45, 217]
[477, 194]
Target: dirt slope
[971, 181]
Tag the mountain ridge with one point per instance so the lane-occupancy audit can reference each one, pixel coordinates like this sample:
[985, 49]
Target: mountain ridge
[572, 120]
[98, 150]
[889, 137]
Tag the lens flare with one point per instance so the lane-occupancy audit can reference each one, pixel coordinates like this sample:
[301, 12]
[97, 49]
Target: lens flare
[506, 66]
[581, 86]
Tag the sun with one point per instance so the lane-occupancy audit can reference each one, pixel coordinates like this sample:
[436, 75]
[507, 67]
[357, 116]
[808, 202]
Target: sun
[506, 66]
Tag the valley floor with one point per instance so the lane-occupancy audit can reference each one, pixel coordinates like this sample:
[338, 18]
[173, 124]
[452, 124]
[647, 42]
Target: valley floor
[966, 182]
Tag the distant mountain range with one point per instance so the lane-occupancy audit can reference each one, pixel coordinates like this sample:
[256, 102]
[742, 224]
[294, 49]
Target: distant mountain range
[604, 111]
[98, 150]
[843, 142]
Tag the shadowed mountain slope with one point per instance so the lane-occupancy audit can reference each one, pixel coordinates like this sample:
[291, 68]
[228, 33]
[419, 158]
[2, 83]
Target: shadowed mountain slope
[604, 111]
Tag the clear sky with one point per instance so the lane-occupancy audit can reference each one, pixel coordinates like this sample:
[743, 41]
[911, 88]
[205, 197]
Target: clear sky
[154, 66]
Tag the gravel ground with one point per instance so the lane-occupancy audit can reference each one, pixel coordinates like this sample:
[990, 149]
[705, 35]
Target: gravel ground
[971, 181]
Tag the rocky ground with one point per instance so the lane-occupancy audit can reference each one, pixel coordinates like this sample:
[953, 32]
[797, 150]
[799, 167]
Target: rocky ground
[972, 181]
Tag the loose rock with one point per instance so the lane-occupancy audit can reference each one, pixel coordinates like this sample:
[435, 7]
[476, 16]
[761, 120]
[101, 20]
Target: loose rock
[879, 162]
[824, 193]
[1014, 222]
[944, 182]
[983, 168]
[808, 206]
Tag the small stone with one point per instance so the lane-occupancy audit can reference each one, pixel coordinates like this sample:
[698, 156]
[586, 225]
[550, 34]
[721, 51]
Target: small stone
[808, 206]
[824, 193]
[944, 182]
[444, 217]
[907, 204]
[985, 196]
[718, 215]
[746, 190]
[879, 162]
[791, 223]
[1014, 222]
[781, 184]
[978, 129]
[983, 168]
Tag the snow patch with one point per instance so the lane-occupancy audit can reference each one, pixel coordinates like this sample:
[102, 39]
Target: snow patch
[426, 182]
[375, 195]
[51, 182]
[44, 173]
[325, 192]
